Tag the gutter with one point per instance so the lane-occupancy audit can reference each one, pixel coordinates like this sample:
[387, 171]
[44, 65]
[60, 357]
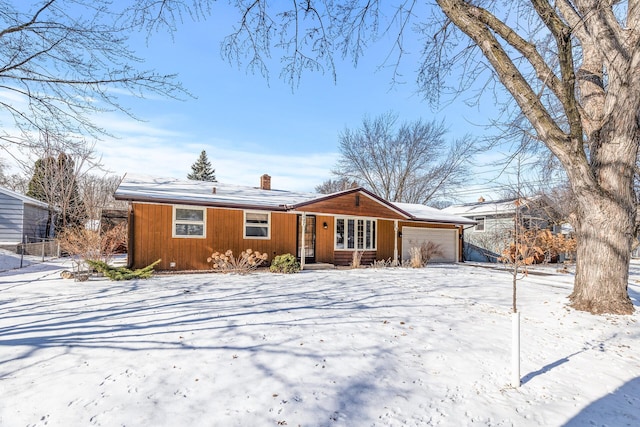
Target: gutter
[157, 200]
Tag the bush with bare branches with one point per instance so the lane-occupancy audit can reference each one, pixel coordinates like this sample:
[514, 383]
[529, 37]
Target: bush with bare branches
[382, 263]
[421, 255]
[226, 262]
[91, 244]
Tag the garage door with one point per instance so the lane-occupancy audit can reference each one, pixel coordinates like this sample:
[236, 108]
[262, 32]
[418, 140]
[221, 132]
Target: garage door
[447, 239]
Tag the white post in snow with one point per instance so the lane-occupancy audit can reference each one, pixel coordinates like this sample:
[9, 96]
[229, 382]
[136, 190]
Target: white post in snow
[395, 243]
[303, 232]
[515, 349]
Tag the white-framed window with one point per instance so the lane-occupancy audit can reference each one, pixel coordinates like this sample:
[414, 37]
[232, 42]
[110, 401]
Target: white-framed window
[257, 225]
[479, 223]
[355, 233]
[189, 222]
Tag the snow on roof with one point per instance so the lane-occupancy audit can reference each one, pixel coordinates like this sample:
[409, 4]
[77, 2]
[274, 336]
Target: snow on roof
[172, 190]
[427, 213]
[142, 188]
[25, 199]
[497, 207]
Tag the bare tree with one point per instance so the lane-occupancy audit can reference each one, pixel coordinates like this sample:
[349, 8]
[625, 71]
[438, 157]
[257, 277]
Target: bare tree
[63, 62]
[410, 163]
[97, 194]
[56, 177]
[334, 185]
[588, 64]
[12, 181]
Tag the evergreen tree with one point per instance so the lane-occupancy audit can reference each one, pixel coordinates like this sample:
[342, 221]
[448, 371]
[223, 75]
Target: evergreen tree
[201, 170]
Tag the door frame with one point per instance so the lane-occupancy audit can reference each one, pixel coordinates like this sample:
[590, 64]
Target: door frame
[314, 224]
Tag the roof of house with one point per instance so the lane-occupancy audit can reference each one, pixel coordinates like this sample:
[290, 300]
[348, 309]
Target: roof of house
[25, 199]
[143, 188]
[172, 190]
[427, 213]
[485, 208]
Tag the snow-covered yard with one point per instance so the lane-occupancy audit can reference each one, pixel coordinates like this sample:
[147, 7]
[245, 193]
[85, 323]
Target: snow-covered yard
[363, 347]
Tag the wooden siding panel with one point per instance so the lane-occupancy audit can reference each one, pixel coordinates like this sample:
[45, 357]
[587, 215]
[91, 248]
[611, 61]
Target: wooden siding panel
[345, 258]
[386, 232]
[346, 205]
[225, 230]
[324, 239]
[152, 235]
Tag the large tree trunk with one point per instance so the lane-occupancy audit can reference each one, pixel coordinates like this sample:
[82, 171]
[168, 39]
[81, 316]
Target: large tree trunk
[596, 137]
[604, 232]
[606, 215]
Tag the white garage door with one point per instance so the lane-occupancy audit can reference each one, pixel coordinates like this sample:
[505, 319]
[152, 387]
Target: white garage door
[447, 239]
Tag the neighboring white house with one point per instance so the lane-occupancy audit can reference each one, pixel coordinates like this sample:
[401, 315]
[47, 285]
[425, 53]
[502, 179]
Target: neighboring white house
[495, 221]
[22, 219]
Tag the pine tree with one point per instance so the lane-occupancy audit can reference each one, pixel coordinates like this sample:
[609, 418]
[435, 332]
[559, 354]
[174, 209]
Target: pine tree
[201, 170]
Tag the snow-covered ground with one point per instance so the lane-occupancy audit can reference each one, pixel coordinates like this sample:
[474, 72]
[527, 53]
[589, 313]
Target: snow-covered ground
[366, 347]
[9, 260]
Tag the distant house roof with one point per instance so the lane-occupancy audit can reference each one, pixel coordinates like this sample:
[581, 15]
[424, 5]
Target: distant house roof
[143, 188]
[25, 199]
[427, 213]
[484, 208]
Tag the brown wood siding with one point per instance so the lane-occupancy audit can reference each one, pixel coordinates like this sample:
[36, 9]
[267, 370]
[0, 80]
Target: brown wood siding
[345, 258]
[385, 240]
[152, 234]
[152, 237]
[324, 239]
[346, 205]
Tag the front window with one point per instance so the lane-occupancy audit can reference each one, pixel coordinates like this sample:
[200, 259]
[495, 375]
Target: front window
[189, 222]
[355, 233]
[340, 234]
[479, 223]
[256, 225]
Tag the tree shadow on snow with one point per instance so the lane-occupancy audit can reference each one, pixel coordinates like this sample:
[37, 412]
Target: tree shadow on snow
[164, 315]
[620, 408]
[548, 367]
[635, 297]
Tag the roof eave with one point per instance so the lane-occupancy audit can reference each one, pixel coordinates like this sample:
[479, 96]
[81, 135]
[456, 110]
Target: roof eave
[441, 221]
[350, 191]
[177, 201]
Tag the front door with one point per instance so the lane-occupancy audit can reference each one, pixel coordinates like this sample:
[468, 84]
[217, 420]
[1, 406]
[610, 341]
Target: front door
[309, 239]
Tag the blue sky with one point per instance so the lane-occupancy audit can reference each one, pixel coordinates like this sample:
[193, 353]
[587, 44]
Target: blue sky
[250, 125]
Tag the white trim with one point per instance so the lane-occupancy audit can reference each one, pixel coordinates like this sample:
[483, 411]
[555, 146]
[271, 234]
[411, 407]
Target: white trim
[355, 218]
[268, 225]
[24, 199]
[395, 242]
[484, 224]
[174, 222]
[303, 231]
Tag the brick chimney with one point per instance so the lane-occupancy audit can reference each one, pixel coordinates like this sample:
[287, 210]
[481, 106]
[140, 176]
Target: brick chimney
[481, 199]
[265, 182]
